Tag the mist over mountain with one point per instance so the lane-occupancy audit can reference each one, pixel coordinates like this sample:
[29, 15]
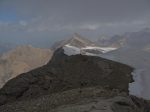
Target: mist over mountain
[135, 52]
[138, 40]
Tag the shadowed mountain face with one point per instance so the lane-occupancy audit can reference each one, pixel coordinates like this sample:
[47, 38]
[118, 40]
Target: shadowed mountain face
[66, 77]
[20, 60]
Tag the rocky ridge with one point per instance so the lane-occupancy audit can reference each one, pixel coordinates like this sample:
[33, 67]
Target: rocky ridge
[72, 83]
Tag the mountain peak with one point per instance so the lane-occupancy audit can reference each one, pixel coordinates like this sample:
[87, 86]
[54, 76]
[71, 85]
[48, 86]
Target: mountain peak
[77, 41]
[78, 37]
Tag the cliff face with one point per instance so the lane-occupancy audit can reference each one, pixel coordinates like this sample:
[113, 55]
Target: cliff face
[20, 60]
[69, 83]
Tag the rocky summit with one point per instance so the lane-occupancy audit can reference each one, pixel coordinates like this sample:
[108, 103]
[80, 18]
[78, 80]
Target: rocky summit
[77, 83]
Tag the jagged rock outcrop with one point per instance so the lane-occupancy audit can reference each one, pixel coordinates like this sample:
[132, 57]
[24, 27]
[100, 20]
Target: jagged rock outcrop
[76, 83]
[20, 60]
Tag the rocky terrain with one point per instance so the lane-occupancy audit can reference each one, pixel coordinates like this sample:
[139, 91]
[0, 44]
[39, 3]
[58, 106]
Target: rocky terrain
[76, 83]
[22, 59]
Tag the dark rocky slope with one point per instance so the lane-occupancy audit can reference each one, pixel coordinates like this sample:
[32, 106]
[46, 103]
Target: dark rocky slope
[73, 81]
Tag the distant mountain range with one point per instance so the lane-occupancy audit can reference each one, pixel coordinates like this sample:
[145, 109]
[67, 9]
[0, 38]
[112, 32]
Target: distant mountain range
[22, 59]
[139, 40]
[76, 40]
[115, 41]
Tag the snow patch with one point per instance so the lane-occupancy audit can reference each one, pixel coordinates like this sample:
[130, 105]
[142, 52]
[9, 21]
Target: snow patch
[101, 49]
[72, 50]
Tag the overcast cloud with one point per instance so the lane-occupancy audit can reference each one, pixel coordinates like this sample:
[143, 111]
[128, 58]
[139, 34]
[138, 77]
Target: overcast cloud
[59, 18]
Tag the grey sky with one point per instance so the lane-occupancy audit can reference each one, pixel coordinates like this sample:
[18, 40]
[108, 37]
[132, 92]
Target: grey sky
[42, 20]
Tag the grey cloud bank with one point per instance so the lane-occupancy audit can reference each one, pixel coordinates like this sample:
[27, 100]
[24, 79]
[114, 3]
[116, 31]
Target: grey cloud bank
[56, 19]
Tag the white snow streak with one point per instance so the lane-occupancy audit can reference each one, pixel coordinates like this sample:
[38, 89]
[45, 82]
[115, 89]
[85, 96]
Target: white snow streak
[72, 50]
